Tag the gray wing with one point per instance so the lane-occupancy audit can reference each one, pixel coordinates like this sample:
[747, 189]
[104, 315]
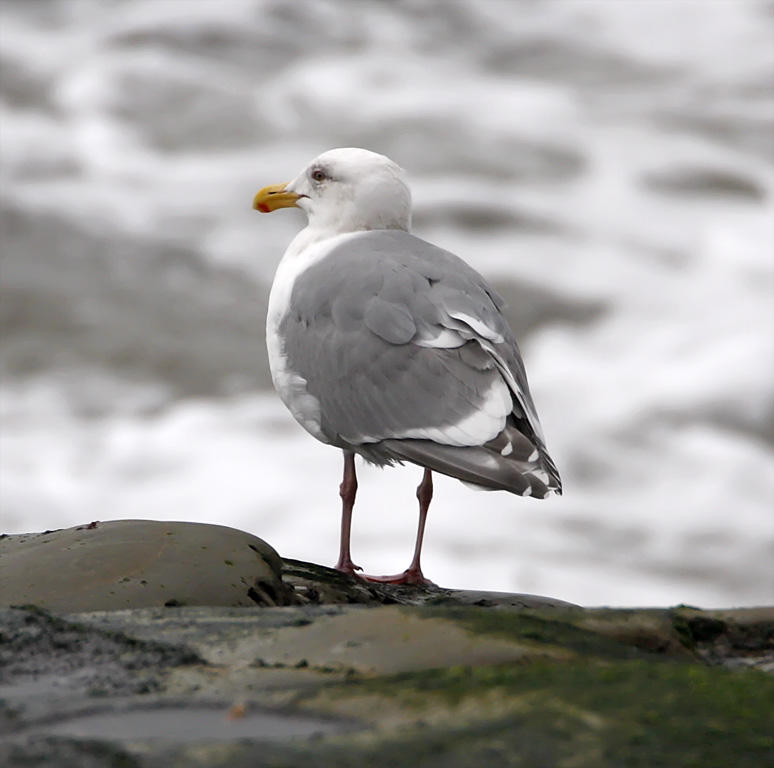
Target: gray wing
[405, 348]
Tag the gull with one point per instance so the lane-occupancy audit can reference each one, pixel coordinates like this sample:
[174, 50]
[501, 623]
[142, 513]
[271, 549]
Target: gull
[386, 346]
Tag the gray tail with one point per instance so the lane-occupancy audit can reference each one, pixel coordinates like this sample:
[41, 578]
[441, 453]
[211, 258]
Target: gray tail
[510, 462]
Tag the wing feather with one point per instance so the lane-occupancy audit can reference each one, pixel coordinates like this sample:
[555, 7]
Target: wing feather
[403, 343]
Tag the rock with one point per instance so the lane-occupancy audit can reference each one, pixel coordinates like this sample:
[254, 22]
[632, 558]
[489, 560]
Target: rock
[319, 585]
[347, 673]
[384, 686]
[139, 563]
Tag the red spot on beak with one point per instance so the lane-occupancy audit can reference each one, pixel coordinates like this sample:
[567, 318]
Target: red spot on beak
[263, 208]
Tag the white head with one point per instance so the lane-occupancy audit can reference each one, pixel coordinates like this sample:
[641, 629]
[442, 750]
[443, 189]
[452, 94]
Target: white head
[345, 190]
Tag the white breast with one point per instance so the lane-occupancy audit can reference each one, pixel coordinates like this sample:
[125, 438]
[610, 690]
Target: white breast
[302, 253]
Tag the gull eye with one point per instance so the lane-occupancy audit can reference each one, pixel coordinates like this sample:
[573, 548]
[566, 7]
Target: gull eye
[319, 175]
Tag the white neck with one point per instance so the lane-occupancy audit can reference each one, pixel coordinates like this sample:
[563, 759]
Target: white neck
[306, 237]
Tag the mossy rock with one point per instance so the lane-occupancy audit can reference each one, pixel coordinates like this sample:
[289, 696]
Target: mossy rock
[370, 674]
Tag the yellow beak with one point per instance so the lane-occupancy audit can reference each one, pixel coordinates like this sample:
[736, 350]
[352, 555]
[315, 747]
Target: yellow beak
[273, 197]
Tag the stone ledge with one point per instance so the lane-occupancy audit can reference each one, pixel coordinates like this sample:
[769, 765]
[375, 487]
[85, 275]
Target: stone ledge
[349, 673]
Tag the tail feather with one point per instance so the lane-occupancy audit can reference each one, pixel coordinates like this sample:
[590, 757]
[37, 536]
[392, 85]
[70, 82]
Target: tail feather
[483, 465]
[518, 441]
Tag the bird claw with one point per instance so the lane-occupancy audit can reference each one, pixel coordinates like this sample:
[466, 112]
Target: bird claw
[348, 567]
[409, 576]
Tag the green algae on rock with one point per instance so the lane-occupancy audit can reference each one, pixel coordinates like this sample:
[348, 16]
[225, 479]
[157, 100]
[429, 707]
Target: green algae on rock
[587, 714]
[361, 674]
[488, 686]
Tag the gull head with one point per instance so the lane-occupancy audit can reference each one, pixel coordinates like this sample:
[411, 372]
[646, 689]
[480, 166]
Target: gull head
[345, 190]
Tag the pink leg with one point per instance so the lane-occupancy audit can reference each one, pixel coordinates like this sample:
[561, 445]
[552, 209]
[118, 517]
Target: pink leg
[413, 574]
[347, 491]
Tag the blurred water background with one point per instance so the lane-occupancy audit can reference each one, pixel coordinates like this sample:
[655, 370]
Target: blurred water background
[608, 165]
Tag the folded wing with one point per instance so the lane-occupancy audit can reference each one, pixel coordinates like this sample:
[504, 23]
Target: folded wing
[405, 347]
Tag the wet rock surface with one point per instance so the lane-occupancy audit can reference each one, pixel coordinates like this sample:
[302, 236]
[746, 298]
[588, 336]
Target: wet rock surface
[348, 673]
[139, 563]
